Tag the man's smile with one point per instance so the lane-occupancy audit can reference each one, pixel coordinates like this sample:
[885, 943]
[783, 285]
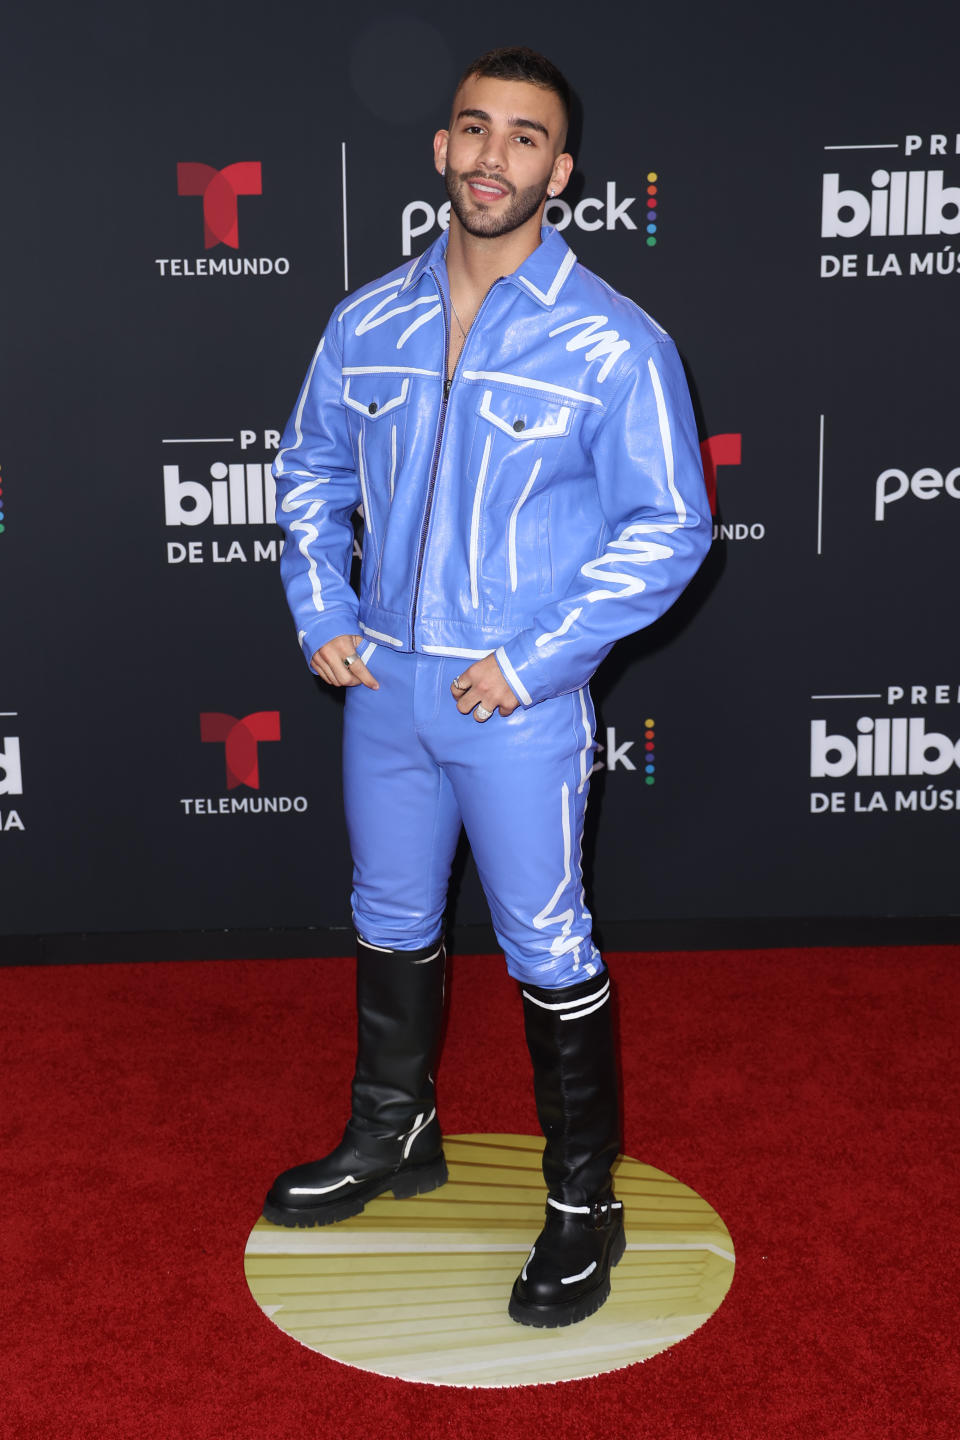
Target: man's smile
[484, 189]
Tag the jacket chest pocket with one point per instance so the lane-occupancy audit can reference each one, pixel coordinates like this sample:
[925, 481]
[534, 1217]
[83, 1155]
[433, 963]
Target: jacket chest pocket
[517, 443]
[524, 419]
[378, 404]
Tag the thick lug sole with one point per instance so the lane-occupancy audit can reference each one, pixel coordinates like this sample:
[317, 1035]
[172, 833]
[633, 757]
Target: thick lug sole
[413, 1180]
[568, 1312]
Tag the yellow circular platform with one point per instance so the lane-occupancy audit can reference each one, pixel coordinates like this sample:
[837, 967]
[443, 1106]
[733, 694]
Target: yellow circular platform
[418, 1289]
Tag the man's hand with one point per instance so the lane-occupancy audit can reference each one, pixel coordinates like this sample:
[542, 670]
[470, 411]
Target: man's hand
[482, 689]
[329, 662]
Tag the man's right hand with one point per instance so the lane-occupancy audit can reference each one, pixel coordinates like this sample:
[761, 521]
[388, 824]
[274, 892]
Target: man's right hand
[328, 663]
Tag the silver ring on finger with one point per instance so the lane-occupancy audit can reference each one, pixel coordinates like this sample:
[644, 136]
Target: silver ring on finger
[349, 660]
[483, 713]
[459, 685]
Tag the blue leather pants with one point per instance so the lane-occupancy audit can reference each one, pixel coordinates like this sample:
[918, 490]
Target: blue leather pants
[416, 769]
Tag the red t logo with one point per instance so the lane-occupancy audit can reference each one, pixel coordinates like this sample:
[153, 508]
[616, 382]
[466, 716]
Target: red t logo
[220, 189]
[718, 450]
[240, 739]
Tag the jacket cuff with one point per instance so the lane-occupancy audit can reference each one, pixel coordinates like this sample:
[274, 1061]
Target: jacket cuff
[517, 659]
[327, 626]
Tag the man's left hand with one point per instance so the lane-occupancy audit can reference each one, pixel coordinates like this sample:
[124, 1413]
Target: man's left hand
[482, 689]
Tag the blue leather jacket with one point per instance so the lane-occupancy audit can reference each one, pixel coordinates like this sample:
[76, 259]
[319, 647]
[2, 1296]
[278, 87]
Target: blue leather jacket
[547, 501]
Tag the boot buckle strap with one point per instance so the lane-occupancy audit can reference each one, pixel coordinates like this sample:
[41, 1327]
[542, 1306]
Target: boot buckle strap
[600, 1215]
[596, 1216]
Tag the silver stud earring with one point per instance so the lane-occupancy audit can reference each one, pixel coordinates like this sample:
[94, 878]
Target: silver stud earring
[550, 194]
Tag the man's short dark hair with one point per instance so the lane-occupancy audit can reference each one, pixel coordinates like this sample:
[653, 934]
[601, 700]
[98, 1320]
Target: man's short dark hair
[517, 62]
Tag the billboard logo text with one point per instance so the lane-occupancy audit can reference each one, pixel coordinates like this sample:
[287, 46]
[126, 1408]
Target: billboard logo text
[11, 774]
[883, 746]
[902, 202]
[240, 494]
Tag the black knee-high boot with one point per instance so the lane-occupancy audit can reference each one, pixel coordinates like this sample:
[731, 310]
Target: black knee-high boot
[570, 1039]
[392, 1140]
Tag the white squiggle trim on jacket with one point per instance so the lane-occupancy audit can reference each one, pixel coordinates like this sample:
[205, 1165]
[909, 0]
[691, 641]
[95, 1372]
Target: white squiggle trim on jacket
[302, 498]
[475, 525]
[298, 418]
[549, 296]
[456, 650]
[569, 620]
[525, 383]
[393, 458]
[666, 440]
[308, 534]
[588, 741]
[294, 499]
[362, 476]
[603, 342]
[373, 317]
[625, 550]
[388, 370]
[512, 526]
[421, 320]
[367, 295]
[378, 635]
[512, 678]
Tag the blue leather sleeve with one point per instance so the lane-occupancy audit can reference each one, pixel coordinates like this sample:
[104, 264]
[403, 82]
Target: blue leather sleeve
[658, 528]
[317, 493]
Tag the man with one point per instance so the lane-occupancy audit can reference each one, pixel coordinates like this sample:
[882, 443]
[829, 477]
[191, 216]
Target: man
[521, 442]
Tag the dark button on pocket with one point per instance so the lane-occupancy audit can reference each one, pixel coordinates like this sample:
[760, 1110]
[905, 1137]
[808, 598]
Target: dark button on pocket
[519, 425]
[372, 407]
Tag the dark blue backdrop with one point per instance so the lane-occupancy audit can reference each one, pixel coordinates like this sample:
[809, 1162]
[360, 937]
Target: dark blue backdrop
[820, 340]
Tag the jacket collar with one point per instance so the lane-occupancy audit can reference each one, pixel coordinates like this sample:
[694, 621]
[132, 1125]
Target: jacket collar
[542, 275]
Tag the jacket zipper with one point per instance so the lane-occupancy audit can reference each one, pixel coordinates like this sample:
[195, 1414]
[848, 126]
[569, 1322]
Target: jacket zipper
[435, 466]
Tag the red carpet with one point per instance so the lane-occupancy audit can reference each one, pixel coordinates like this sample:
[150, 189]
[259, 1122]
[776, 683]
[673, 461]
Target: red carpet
[810, 1096]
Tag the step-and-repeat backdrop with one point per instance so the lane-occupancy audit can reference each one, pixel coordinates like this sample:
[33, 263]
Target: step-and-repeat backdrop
[190, 190]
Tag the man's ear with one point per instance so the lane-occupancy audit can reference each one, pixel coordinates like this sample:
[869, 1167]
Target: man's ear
[561, 172]
[440, 150]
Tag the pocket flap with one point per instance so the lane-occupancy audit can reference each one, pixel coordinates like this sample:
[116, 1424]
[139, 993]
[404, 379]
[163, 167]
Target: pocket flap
[375, 394]
[525, 417]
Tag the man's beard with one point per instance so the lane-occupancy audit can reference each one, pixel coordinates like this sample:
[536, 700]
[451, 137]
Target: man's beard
[476, 221]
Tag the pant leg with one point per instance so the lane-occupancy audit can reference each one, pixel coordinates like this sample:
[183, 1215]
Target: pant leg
[521, 785]
[402, 814]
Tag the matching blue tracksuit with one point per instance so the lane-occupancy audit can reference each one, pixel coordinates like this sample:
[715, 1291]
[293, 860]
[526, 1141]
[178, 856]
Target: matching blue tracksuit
[542, 504]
